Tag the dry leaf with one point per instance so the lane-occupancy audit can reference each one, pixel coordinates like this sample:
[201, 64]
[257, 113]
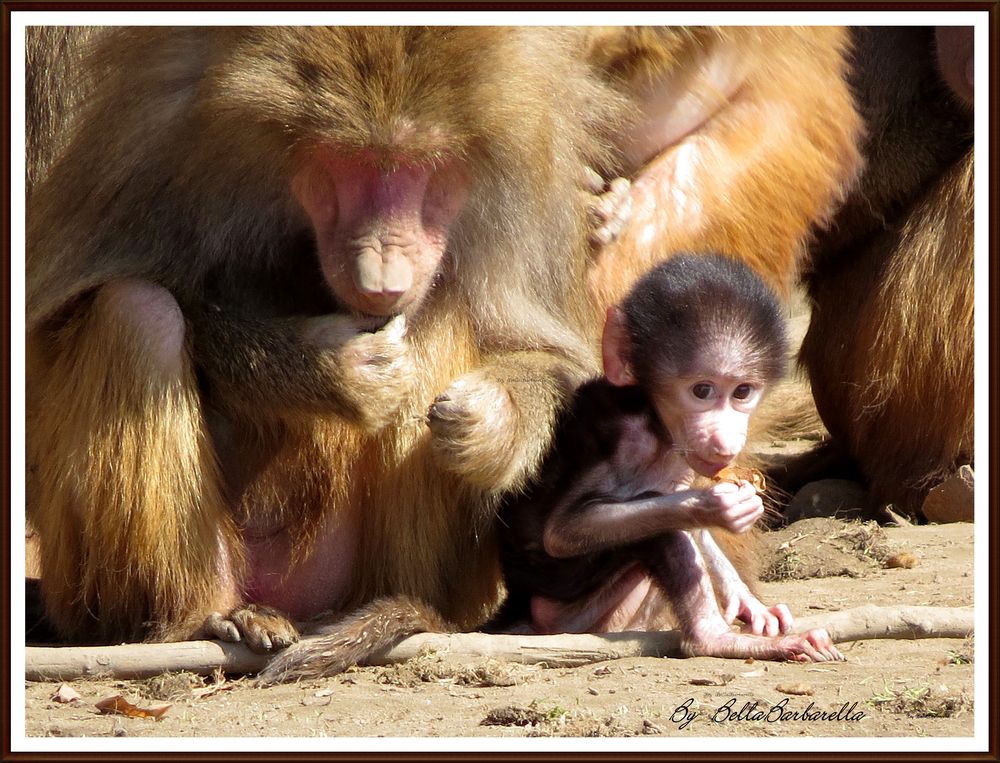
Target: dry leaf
[118, 705]
[737, 473]
[66, 693]
[802, 690]
[210, 690]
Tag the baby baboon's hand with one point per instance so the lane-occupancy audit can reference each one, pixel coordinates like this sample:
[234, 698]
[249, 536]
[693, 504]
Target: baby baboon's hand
[731, 507]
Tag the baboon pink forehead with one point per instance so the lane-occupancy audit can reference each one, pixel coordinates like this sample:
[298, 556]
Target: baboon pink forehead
[387, 183]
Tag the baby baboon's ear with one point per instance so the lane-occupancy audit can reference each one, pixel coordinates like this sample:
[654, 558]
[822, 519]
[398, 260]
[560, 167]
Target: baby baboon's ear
[615, 349]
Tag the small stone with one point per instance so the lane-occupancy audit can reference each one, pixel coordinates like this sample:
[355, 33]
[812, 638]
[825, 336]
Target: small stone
[66, 694]
[952, 500]
[903, 560]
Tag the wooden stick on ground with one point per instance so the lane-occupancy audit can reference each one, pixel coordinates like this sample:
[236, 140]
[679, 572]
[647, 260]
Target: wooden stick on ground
[565, 650]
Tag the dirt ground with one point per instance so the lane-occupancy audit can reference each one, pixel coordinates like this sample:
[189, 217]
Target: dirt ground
[886, 688]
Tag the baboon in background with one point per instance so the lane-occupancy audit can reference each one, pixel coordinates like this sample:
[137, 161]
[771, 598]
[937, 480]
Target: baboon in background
[264, 260]
[746, 141]
[889, 349]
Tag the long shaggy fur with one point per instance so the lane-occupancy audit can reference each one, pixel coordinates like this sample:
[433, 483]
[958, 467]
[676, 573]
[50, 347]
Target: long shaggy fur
[766, 168]
[176, 171]
[890, 347]
[55, 83]
[899, 396]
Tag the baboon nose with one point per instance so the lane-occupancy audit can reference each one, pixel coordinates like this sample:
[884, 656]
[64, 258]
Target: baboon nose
[721, 453]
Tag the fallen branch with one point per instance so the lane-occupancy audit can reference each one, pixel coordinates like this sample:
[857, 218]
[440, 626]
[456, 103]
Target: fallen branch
[563, 650]
[871, 622]
[65, 663]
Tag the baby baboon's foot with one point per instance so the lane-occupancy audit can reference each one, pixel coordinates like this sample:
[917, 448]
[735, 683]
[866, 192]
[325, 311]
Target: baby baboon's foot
[813, 646]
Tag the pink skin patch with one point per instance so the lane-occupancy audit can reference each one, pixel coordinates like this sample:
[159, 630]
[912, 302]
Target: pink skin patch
[381, 224]
[316, 583]
[617, 606]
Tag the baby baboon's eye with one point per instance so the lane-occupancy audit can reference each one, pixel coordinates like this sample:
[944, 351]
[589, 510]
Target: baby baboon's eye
[702, 390]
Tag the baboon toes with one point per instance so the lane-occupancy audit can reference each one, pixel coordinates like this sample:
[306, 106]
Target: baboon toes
[263, 629]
